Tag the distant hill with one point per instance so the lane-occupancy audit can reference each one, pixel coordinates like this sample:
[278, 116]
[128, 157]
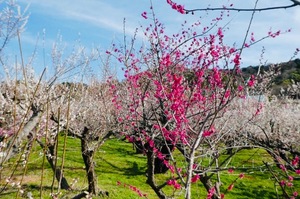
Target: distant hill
[287, 73]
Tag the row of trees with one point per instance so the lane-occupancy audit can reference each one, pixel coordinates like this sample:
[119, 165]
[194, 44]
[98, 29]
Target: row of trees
[183, 91]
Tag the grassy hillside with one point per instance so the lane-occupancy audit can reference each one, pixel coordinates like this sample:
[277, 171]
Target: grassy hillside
[118, 168]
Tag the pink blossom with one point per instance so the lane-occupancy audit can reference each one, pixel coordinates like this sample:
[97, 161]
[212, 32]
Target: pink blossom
[232, 50]
[282, 167]
[295, 194]
[230, 187]
[151, 143]
[295, 161]
[174, 183]
[251, 82]
[237, 59]
[144, 14]
[171, 168]
[227, 94]
[289, 184]
[155, 126]
[211, 193]
[246, 45]
[209, 132]
[220, 32]
[214, 54]
[217, 78]
[240, 88]
[222, 195]
[130, 138]
[195, 178]
[171, 182]
[180, 9]
[252, 37]
[179, 170]
[160, 155]
[195, 166]
[242, 175]
[274, 34]
[177, 7]
[177, 186]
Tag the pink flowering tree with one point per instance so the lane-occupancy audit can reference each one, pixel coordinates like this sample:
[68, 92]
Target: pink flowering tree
[175, 93]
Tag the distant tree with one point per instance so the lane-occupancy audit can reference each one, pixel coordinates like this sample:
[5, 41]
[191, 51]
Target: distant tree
[12, 23]
[85, 112]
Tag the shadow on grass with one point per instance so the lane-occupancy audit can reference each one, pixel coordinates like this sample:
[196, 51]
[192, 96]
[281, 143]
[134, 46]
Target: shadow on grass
[134, 170]
[255, 190]
[258, 193]
[129, 170]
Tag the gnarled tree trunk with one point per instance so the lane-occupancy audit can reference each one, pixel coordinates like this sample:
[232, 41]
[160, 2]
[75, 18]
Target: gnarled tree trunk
[87, 155]
[13, 147]
[150, 175]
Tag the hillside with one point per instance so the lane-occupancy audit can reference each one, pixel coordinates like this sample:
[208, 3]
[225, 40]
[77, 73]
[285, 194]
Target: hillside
[287, 74]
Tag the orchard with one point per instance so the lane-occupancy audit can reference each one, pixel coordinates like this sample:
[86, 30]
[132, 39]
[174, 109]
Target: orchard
[180, 109]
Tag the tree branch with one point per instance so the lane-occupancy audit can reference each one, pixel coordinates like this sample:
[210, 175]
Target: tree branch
[294, 4]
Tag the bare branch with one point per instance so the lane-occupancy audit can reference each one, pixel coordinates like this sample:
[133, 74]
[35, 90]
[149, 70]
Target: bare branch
[294, 4]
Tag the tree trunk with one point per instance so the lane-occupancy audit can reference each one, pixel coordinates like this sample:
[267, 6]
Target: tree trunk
[87, 155]
[13, 146]
[208, 185]
[159, 165]
[150, 175]
[81, 195]
[58, 173]
[138, 146]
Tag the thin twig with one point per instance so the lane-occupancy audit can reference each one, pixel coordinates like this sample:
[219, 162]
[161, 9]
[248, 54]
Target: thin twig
[294, 4]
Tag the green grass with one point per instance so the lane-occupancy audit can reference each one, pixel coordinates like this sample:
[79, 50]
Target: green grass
[116, 161]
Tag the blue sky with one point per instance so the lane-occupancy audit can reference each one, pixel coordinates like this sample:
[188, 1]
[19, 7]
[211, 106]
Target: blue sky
[99, 22]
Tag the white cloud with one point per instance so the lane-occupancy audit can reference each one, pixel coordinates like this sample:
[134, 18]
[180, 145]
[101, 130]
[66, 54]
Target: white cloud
[96, 13]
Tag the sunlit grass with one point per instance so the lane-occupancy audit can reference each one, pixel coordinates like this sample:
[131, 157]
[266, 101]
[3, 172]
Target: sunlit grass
[116, 161]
